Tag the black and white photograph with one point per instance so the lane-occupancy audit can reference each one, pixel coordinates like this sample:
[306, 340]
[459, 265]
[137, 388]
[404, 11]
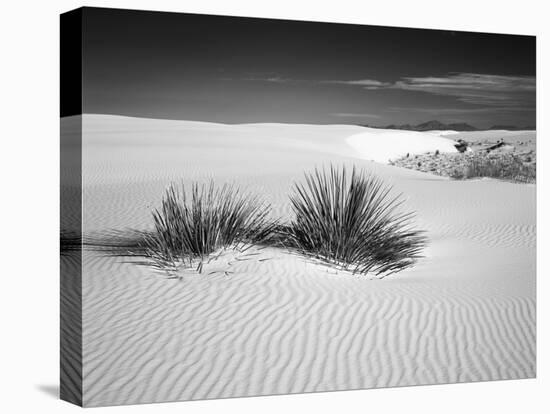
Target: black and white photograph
[254, 207]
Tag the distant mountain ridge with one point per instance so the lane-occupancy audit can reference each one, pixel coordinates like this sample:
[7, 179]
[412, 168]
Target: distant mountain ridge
[435, 125]
[513, 128]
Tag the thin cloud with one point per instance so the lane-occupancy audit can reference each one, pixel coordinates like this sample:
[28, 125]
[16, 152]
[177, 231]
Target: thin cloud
[470, 88]
[478, 89]
[354, 115]
[274, 79]
[367, 83]
[454, 111]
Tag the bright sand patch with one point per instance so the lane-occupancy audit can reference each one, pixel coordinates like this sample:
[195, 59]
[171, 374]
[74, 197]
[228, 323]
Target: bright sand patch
[382, 145]
[466, 312]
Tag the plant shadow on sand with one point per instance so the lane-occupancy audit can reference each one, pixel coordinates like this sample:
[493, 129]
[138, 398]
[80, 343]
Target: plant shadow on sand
[191, 230]
[51, 390]
[347, 220]
[69, 242]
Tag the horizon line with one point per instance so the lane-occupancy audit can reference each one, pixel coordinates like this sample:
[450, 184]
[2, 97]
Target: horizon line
[365, 125]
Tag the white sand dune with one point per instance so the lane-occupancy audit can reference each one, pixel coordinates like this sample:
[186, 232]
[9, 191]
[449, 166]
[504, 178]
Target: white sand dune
[277, 323]
[382, 145]
[442, 132]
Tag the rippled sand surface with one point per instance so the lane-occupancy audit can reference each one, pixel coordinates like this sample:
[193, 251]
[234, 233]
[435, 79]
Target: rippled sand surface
[274, 322]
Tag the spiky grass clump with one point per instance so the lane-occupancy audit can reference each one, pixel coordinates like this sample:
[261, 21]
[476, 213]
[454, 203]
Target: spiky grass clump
[188, 227]
[351, 221]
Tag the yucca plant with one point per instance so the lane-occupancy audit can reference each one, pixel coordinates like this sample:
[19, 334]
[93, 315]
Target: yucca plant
[351, 221]
[191, 225]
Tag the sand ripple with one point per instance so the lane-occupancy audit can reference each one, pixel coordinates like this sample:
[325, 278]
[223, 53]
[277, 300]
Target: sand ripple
[286, 326]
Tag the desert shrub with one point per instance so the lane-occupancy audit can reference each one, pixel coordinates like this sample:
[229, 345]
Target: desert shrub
[457, 173]
[191, 225]
[352, 221]
[503, 167]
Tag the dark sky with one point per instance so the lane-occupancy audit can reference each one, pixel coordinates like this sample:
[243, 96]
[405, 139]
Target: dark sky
[239, 70]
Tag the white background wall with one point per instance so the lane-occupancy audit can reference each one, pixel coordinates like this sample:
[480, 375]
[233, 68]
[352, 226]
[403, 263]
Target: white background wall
[29, 134]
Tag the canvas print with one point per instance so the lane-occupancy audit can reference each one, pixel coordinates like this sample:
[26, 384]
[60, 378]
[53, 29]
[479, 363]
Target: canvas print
[257, 207]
